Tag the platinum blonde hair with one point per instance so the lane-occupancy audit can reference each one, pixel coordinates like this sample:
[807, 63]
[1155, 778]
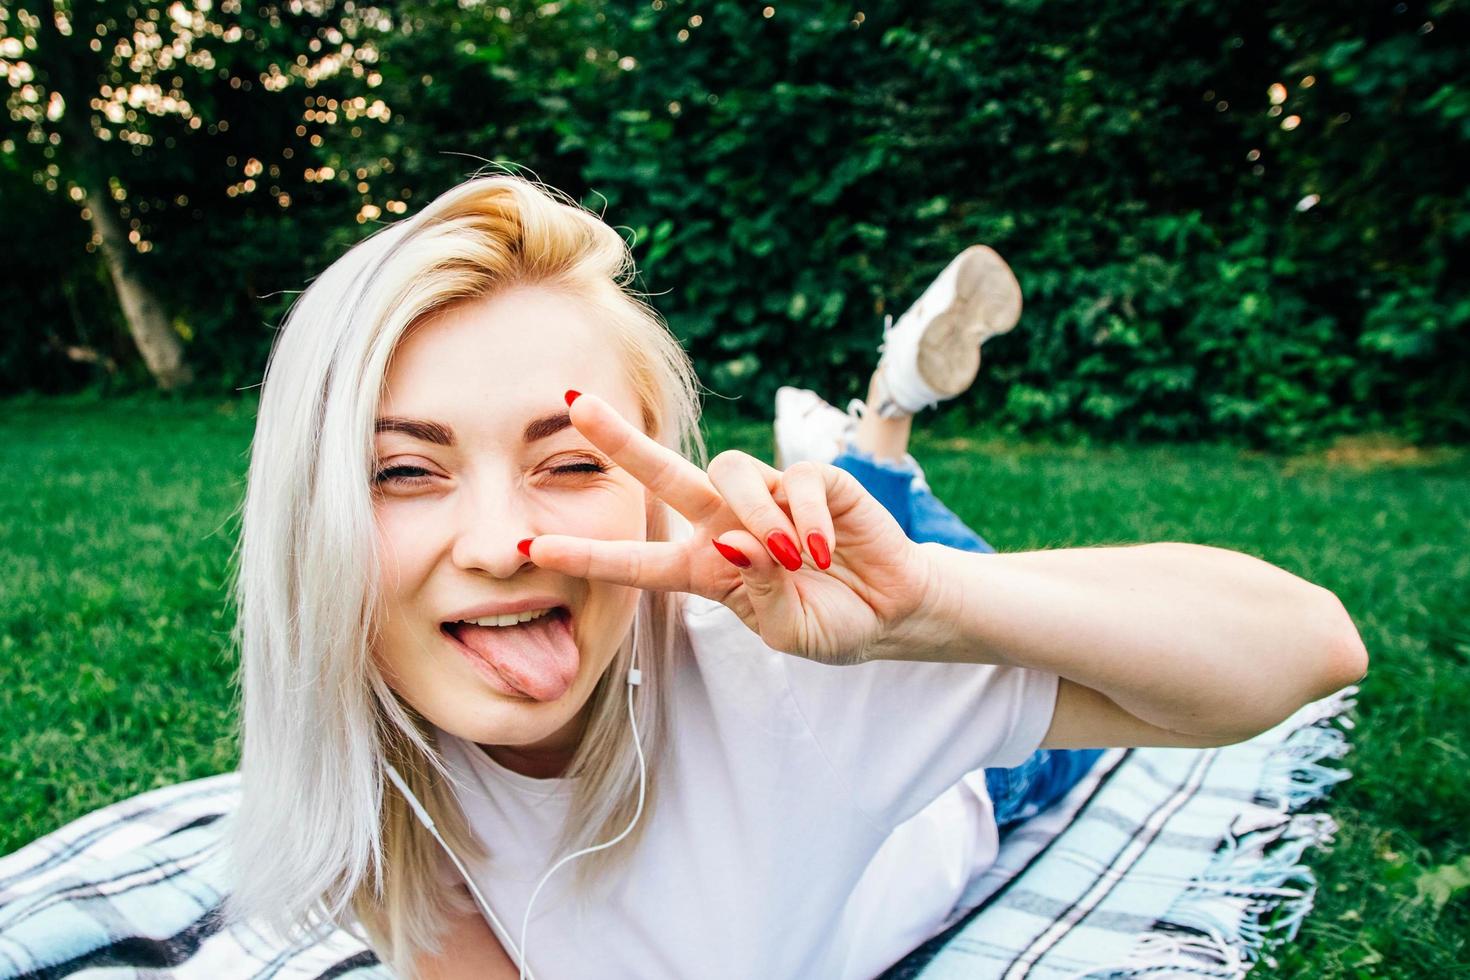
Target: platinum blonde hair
[320, 839]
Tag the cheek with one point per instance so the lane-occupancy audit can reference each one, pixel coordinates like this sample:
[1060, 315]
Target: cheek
[617, 515]
[401, 547]
[399, 650]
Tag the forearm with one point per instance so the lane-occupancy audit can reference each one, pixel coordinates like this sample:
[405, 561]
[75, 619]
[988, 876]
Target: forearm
[1191, 639]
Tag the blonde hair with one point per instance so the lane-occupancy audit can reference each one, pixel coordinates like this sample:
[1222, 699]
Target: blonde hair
[320, 840]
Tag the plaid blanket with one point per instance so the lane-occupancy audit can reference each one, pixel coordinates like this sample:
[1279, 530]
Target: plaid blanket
[1162, 862]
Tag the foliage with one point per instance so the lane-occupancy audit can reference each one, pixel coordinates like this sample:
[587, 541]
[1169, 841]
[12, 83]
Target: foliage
[167, 110]
[1230, 220]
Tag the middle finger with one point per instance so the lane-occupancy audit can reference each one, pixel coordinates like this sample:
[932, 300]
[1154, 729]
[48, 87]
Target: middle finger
[742, 480]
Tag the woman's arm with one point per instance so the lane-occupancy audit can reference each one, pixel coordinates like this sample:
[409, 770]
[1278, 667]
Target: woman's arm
[1158, 644]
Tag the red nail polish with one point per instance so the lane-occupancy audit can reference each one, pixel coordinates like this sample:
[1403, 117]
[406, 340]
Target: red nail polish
[733, 555]
[785, 550]
[524, 547]
[821, 554]
[572, 395]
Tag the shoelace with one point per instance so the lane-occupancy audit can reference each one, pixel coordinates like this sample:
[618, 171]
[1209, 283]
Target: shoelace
[888, 407]
[887, 330]
[856, 410]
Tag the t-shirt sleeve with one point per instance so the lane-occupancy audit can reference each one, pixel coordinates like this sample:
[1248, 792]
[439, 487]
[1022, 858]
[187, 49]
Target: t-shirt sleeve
[900, 733]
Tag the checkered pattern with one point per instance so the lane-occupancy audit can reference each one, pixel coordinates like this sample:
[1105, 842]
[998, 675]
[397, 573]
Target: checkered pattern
[1161, 862]
[138, 886]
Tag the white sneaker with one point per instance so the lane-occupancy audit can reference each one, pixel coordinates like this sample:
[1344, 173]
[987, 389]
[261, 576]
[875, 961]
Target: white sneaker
[933, 352]
[807, 427]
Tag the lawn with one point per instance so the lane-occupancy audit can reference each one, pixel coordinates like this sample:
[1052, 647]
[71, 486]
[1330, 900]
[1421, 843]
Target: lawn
[117, 521]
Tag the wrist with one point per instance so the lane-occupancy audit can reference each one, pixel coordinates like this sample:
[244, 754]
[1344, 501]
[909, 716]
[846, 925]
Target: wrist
[933, 629]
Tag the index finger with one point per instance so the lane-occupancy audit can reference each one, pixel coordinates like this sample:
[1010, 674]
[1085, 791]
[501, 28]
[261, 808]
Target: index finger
[663, 566]
[667, 475]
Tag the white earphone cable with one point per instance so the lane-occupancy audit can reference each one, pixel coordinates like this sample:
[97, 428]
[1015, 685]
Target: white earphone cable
[413, 802]
[635, 677]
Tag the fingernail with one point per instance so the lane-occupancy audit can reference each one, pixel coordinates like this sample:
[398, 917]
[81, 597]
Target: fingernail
[524, 547]
[733, 555]
[785, 550]
[821, 554]
[572, 395]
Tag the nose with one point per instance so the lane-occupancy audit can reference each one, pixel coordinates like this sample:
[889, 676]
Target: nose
[488, 524]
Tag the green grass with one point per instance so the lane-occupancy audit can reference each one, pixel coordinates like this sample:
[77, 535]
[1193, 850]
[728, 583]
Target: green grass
[116, 524]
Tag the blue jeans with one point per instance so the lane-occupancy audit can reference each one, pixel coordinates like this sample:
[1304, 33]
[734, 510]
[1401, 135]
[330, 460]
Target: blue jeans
[1048, 774]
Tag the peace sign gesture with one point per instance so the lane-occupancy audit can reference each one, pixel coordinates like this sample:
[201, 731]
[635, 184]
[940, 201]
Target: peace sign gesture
[860, 578]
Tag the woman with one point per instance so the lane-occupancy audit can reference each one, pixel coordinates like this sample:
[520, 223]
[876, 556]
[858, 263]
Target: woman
[531, 611]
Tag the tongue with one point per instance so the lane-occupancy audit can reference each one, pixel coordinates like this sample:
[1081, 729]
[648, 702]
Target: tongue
[538, 657]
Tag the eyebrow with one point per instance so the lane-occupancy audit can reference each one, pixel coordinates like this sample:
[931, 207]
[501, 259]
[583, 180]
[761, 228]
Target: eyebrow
[443, 435]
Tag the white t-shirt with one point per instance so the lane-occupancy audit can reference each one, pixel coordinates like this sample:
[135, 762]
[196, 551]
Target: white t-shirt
[812, 821]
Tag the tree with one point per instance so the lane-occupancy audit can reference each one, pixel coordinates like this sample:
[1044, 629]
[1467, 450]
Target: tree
[122, 106]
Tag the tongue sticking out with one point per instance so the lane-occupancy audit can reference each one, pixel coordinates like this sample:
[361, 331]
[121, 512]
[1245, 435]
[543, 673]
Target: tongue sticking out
[538, 657]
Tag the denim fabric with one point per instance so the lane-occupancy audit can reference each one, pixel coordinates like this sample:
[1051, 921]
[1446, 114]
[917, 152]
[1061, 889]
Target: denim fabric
[1036, 784]
[900, 487]
[1046, 776]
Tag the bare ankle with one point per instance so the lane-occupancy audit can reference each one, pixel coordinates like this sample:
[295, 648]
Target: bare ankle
[879, 437]
[883, 438]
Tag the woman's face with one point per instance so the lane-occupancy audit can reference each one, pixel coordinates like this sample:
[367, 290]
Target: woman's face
[475, 453]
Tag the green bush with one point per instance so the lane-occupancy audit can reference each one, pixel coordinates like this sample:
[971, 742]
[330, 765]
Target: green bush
[1230, 220]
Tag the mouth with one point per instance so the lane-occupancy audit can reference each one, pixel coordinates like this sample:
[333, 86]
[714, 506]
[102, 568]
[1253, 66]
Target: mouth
[533, 656]
[509, 619]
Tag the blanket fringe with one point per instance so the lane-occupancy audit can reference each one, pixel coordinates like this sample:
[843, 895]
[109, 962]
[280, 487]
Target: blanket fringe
[1256, 892]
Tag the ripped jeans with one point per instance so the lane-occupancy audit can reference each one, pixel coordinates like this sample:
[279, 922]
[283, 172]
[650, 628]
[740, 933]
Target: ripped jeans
[1046, 776]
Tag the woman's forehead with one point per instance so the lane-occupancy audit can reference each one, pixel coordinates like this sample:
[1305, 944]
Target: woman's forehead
[526, 329]
[502, 364]
[475, 354]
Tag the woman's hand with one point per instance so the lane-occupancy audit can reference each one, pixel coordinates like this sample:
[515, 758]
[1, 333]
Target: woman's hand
[859, 578]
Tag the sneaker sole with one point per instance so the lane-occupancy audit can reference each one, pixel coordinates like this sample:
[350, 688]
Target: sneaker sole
[987, 304]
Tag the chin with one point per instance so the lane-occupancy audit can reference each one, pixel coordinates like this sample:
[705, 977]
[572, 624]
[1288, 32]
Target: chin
[495, 719]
